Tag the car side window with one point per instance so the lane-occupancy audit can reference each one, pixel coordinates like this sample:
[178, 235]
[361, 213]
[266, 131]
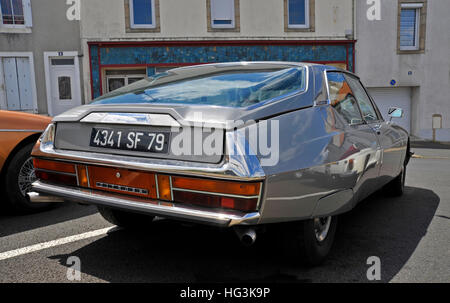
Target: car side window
[368, 111]
[342, 98]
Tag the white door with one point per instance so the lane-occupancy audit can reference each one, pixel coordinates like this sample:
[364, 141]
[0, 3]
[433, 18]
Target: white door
[397, 97]
[65, 91]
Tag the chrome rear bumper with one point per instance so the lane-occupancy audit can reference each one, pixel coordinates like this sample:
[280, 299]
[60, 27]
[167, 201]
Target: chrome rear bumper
[152, 207]
[43, 198]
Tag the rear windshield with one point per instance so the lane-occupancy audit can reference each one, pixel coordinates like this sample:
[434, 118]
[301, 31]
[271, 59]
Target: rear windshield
[238, 88]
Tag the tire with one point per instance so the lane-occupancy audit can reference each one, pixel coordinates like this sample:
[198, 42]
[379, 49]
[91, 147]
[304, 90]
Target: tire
[125, 219]
[396, 187]
[305, 246]
[17, 179]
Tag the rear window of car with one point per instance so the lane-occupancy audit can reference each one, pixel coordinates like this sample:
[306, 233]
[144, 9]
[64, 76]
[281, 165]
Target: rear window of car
[237, 88]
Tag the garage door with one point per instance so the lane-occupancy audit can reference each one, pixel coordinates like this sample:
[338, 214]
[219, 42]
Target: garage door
[399, 97]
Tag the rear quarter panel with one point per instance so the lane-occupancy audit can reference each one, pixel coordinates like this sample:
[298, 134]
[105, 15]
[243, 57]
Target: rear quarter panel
[315, 149]
[16, 127]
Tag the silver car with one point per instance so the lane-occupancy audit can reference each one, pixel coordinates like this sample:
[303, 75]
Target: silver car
[242, 145]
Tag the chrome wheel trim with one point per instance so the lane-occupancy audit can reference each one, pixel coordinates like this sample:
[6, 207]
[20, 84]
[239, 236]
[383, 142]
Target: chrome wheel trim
[321, 228]
[26, 176]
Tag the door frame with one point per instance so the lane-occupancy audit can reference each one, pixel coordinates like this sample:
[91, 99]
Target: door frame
[29, 55]
[48, 85]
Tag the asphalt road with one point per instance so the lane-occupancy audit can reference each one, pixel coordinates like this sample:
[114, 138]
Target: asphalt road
[410, 235]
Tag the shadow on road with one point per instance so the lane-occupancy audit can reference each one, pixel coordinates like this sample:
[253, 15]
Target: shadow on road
[389, 228]
[12, 223]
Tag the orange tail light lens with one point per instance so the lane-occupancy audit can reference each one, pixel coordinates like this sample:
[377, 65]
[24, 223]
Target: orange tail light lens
[82, 175]
[164, 187]
[54, 166]
[217, 186]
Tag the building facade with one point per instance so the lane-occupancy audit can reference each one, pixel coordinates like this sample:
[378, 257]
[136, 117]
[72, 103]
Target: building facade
[404, 59]
[40, 50]
[128, 39]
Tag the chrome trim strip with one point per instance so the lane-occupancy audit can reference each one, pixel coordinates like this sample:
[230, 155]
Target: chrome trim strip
[196, 214]
[131, 119]
[213, 194]
[87, 175]
[171, 187]
[258, 205]
[22, 130]
[157, 186]
[59, 172]
[76, 173]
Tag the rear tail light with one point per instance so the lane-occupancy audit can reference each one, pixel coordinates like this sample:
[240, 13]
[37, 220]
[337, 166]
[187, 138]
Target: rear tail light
[57, 178]
[213, 201]
[242, 196]
[217, 186]
[54, 166]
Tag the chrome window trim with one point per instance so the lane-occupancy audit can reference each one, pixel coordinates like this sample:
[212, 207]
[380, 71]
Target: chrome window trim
[130, 119]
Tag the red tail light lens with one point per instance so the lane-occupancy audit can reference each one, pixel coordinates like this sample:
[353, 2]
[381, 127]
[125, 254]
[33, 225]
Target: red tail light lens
[56, 178]
[214, 201]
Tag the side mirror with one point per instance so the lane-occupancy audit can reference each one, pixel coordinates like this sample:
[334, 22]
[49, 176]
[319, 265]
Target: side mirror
[395, 112]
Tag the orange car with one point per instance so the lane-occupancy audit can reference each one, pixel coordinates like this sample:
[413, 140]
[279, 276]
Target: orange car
[18, 134]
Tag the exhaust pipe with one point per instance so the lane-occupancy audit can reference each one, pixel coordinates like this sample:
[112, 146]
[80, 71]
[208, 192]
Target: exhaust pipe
[247, 236]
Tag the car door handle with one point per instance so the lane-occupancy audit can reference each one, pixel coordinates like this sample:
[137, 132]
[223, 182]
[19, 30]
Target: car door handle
[377, 129]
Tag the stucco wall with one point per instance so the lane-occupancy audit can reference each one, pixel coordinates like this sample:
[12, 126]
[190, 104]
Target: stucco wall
[51, 31]
[377, 62]
[181, 19]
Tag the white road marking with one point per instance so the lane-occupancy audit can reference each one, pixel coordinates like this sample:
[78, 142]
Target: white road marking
[58, 242]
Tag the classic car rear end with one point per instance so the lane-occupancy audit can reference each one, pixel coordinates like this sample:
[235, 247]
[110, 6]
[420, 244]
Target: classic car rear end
[235, 145]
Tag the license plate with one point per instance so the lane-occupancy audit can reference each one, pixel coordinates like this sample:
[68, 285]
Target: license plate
[142, 141]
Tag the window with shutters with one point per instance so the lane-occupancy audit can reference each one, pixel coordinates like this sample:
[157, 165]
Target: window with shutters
[223, 15]
[15, 14]
[411, 26]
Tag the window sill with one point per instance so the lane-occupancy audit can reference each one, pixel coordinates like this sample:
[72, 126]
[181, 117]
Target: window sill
[299, 29]
[222, 29]
[15, 30]
[410, 52]
[142, 30]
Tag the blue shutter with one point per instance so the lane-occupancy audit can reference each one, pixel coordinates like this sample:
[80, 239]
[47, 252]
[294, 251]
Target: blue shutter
[297, 12]
[142, 12]
[408, 27]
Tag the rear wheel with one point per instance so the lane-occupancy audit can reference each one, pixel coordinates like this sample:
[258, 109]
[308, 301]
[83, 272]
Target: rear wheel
[125, 219]
[396, 187]
[311, 240]
[18, 177]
